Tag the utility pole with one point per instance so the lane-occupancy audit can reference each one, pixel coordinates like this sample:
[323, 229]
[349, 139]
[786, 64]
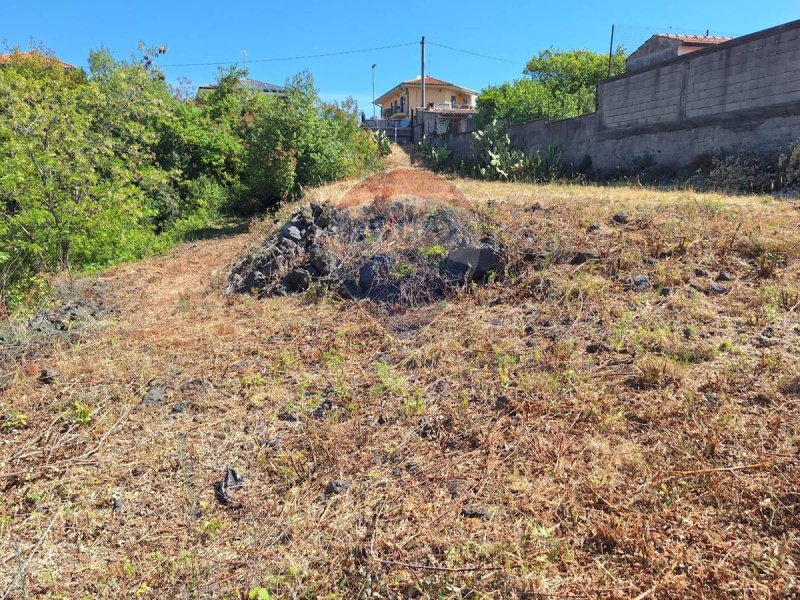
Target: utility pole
[373, 91]
[610, 50]
[244, 59]
[422, 44]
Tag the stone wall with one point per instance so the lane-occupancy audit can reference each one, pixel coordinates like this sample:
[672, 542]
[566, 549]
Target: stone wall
[739, 96]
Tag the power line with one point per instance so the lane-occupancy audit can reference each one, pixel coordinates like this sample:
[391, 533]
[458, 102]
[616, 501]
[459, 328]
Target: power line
[513, 62]
[264, 60]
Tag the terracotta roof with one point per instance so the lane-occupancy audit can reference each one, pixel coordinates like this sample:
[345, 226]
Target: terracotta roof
[6, 58]
[429, 81]
[695, 39]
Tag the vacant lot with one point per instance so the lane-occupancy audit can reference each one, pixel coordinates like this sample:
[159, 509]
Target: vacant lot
[616, 417]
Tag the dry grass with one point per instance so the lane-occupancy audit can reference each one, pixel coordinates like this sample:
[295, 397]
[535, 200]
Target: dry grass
[549, 435]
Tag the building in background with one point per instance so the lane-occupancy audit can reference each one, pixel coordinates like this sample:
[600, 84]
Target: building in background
[402, 101]
[665, 46]
[246, 82]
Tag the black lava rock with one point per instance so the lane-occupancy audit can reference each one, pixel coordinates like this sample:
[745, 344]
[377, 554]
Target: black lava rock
[48, 375]
[473, 263]
[621, 218]
[337, 486]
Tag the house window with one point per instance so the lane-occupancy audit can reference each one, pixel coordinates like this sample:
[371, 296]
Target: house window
[402, 104]
[453, 102]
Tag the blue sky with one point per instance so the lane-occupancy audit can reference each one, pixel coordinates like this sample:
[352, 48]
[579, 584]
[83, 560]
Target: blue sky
[210, 31]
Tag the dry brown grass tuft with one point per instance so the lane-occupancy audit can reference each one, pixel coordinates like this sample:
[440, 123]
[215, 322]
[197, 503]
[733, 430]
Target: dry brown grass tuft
[492, 446]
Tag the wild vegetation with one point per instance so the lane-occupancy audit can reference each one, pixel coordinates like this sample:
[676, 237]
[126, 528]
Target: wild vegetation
[560, 84]
[110, 165]
[616, 415]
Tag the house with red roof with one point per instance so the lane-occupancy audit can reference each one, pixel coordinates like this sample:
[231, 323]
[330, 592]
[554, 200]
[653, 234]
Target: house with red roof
[402, 101]
[665, 46]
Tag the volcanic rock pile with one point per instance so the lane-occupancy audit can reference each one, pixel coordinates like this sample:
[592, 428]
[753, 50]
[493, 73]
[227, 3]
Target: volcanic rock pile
[398, 252]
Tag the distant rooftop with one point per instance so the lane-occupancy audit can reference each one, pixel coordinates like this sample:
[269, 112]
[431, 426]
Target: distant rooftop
[253, 84]
[6, 58]
[695, 39]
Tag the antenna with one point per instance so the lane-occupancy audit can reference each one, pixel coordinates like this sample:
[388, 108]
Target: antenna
[244, 59]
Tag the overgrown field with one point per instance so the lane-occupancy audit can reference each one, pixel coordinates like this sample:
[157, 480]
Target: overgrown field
[618, 416]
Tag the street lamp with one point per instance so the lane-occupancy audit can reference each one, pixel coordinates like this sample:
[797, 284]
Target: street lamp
[373, 91]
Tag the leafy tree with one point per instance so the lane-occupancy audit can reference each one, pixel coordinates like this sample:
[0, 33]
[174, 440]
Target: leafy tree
[111, 166]
[574, 73]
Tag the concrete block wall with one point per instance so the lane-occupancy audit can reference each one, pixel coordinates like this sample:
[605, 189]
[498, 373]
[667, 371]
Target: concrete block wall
[739, 96]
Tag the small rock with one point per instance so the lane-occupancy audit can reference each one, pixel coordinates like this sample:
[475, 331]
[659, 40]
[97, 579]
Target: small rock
[701, 272]
[298, 280]
[473, 263]
[717, 288]
[48, 375]
[594, 227]
[764, 342]
[337, 486]
[290, 417]
[119, 505]
[475, 512]
[582, 257]
[322, 261]
[231, 482]
[137, 471]
[293, 233]
[768, 332]
[724, 276]
[667, 291]
[179, 407]
[155, 394]
[321, 411]
[534, 207]
[620, 218]
[638, 283]
[501, 403]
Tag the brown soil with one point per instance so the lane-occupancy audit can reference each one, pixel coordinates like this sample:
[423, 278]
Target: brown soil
[402, 184]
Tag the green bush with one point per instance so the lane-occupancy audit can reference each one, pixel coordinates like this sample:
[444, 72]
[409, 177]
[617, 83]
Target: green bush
[111, 166]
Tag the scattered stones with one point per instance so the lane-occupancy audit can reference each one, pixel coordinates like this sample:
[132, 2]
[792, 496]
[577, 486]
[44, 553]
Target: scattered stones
[594, 227]
[701, 272]
[717, 288]
[230, 482]
[534, 207]
[155, 393]
[118, 505]
[178, 408]
[768, 332]
[724, 276]
[48, 376]
[666, 292]
[337, 486]
[620, 218]
[475, 512]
